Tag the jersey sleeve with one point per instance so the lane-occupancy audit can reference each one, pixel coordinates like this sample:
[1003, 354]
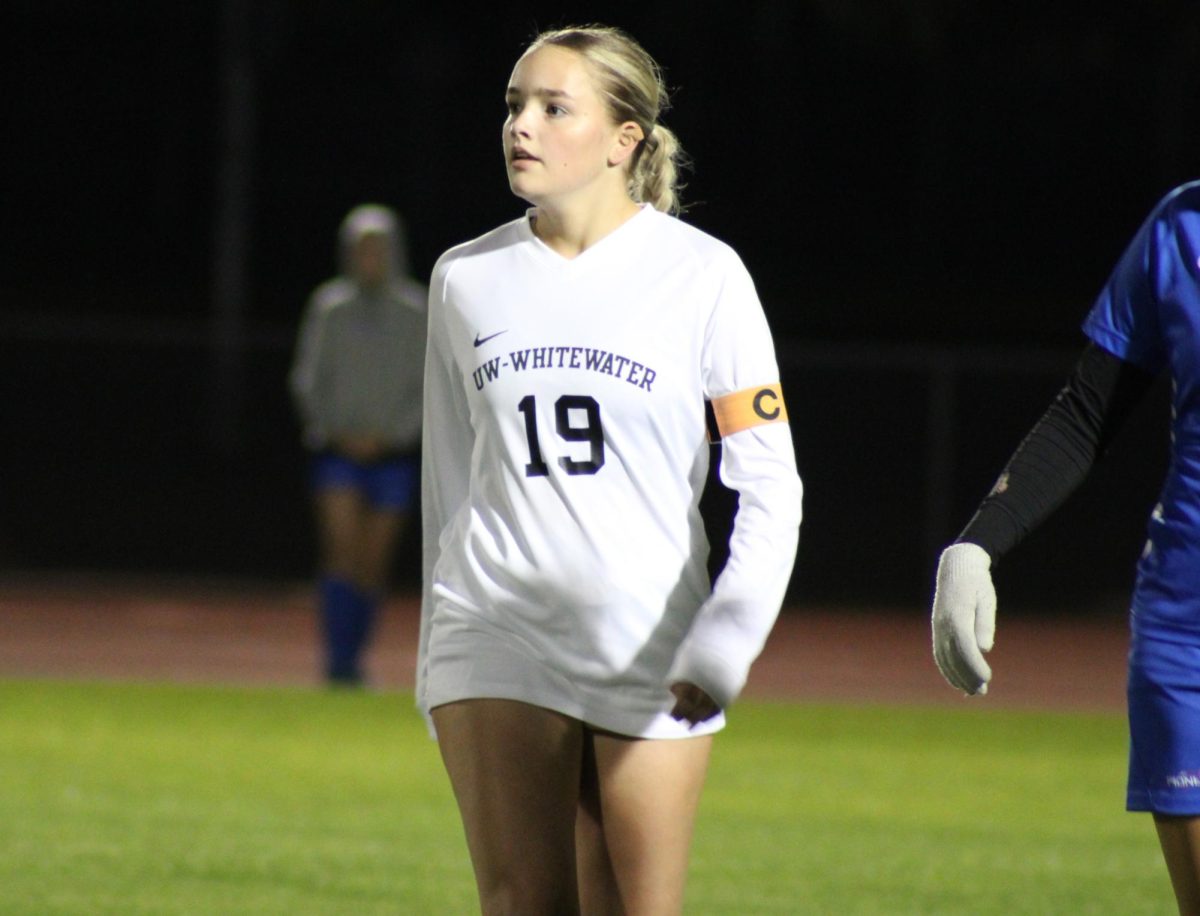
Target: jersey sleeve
[758, 462]
[446, 446]
[304, 379]
[1125, 317]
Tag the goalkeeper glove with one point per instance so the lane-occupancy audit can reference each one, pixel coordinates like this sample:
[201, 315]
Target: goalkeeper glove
[964, 617]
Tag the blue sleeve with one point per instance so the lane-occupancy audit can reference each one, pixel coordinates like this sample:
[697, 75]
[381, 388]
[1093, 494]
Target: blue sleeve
[1126, 318]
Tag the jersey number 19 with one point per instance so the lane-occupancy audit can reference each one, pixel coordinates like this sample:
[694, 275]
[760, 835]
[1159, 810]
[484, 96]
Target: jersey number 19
[591, 432]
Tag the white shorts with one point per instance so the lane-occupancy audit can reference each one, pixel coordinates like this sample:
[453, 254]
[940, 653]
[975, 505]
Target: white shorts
[468, 659]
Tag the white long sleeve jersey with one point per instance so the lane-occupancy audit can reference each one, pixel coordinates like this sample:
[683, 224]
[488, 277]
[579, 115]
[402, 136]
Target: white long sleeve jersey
[565, 451]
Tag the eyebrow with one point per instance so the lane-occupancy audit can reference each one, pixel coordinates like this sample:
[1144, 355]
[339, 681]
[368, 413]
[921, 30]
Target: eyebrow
[539, 93]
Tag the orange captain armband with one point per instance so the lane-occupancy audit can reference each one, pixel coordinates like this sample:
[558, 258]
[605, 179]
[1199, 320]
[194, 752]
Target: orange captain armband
[731, 413]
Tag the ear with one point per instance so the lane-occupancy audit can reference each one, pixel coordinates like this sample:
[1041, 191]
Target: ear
[629, 135]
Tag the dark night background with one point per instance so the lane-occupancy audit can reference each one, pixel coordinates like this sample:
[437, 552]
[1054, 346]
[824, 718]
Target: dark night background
[928, 193]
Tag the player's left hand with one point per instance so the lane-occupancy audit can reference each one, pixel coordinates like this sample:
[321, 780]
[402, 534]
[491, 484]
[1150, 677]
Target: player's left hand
[692, 704]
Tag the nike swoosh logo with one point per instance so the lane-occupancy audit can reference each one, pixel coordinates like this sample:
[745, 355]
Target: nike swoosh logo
[480, 341]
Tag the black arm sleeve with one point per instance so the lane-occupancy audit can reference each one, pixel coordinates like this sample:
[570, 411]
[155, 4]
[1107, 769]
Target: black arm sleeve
[1059, 451]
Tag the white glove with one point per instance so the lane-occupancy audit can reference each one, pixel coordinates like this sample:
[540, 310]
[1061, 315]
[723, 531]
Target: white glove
[964, 617]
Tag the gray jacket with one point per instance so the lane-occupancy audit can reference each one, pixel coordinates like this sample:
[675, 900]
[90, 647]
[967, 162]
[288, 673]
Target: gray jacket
[360, 353]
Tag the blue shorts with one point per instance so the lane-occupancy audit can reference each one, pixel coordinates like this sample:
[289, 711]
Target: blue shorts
[387, 484]
[1164, 726]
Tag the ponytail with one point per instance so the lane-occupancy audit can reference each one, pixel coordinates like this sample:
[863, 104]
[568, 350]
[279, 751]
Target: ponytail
[654, 178]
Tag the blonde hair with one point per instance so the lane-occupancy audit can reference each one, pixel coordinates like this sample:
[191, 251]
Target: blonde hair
[631, 83]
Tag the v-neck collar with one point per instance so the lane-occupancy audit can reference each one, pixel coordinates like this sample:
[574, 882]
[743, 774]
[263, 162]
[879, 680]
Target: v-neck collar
[589, 254]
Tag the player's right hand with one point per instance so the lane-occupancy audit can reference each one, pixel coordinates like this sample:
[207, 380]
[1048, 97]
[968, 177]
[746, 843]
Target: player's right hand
[964, 617]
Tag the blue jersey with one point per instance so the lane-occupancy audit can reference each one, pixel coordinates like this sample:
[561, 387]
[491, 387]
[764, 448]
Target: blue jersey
[1149, 314]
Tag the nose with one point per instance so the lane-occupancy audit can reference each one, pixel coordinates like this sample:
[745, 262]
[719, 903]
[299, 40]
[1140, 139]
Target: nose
[517, 124]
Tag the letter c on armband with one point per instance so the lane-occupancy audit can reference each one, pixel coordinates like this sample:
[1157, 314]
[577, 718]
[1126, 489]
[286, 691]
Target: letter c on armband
[748, 408]
[762, 395]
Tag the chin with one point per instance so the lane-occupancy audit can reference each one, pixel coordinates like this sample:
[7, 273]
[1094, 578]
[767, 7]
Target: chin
[525, 193]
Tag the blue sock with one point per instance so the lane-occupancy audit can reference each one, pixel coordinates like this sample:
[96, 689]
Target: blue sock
[342, 628]
[366, 601]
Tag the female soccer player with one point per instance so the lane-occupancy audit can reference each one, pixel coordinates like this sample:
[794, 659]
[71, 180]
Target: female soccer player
[357, 382]
[574, 660]
[1146, 319]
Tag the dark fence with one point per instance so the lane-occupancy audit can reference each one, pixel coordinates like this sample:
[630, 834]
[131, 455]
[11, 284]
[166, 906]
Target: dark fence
[134, 449]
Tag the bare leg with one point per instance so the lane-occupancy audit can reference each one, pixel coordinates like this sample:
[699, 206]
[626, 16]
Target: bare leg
[357, 541]
[514, 769]
[339, 512]
[356, 548]
[598, 891]
[1180, 841]
[636, 816]
[378, 532]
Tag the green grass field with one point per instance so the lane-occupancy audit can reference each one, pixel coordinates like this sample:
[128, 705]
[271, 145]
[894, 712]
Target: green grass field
[140, 799]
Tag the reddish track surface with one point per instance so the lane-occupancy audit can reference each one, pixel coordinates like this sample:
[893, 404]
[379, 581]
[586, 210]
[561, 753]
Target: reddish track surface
[236, 633]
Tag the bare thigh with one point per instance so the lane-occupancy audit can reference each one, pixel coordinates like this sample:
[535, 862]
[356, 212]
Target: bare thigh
[379, 531]
[357, 540]
[338, 511]
[515, 772]
[634, 832]
[1180, 841]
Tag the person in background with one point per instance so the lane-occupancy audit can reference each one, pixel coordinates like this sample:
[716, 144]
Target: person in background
[356, 381]
[1146, 322]
[575, 660]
